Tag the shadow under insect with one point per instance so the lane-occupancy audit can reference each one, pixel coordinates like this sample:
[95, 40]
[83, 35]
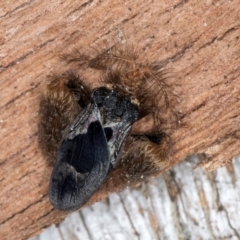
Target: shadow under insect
[88, 131]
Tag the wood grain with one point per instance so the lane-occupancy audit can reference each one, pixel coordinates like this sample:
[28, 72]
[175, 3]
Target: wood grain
[198, 41]
[180, 204]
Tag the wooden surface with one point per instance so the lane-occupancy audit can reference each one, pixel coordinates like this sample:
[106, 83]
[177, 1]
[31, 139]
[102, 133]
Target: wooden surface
[180, 204]
[197, 40]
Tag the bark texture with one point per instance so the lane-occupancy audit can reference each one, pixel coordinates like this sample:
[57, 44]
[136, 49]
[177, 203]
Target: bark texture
[197, 40]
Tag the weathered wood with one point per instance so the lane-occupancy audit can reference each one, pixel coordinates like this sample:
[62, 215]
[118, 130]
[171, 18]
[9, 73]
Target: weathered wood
[198, 41]
[179, 204]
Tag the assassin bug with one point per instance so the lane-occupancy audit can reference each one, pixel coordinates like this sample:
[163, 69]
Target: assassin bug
[88, 131]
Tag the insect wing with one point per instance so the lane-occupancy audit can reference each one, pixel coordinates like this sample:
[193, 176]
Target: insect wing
[81, 167]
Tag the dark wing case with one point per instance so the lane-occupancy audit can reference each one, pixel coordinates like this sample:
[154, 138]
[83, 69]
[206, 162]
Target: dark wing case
[81, 167]
[91, 149]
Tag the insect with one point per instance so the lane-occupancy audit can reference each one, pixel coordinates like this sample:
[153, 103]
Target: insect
[88, 132]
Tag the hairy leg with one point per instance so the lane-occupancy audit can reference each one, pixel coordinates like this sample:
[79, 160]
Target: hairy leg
[143, 156]
[62, 100]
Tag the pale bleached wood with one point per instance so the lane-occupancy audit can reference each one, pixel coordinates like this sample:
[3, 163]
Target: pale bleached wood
[197, 40]
[181, 204]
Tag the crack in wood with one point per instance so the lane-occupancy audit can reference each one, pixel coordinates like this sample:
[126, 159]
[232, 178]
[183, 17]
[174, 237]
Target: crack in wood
[19, 96]
[84, 224]
[129, 218]
[25, 175]
[17, 8]
[14, 154]
[180, 4]
[176, 6]
[181, 225]
[18, 60]
[221, 207]
[82, 6]
[46, 214]
[197, 107]
[13, 63]
[19, 151]
[232, 29]
[179, 54]
[218, 38]
[207, 43]
[23, 210]
[230, 224]
[229, 136]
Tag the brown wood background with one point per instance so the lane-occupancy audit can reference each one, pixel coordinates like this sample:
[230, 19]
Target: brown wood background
[197, 40]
